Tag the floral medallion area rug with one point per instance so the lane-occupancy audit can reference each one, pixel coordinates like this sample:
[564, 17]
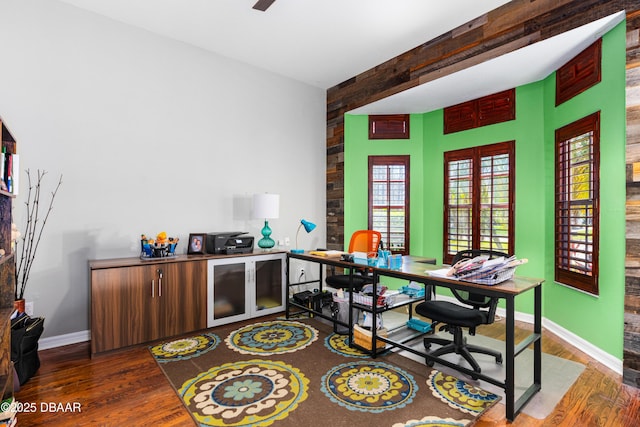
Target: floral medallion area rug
[298, 372]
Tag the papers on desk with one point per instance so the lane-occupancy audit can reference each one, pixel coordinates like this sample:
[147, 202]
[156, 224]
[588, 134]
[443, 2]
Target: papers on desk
[442, 272]
[326, 253]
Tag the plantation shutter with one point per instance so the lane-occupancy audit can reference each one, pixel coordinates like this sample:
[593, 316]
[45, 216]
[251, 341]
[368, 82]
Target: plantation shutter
[478, 207]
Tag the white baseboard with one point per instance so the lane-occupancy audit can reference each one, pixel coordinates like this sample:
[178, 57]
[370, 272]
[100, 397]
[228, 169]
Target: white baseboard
[598, 354]
[61, 340]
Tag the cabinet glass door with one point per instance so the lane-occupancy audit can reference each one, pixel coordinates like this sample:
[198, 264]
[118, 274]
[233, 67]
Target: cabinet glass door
[269, 284]
[244, 287]
[227, 296]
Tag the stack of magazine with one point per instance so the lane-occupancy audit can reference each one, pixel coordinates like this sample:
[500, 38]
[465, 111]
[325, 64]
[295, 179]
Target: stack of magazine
[487, 271]
[482, 270]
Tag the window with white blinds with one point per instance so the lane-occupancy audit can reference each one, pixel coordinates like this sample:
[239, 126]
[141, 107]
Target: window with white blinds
[459, 224]
[478, 206]
[577, 196]
[389, 200]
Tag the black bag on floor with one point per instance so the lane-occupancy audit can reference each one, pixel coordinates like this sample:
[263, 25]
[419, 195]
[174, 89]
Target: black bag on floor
[25, 333]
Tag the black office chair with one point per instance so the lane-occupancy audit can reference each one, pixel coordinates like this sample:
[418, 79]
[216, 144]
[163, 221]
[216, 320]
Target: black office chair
[366, 241]
[478, 310]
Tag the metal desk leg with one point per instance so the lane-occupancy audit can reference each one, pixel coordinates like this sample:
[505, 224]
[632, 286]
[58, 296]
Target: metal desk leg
[510, 359]
[288, 283]
[374, 317]
[351, 320]
[537, 345]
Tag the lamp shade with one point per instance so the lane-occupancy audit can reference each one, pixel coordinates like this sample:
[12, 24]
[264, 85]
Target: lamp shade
[266, 205]
[308, 226]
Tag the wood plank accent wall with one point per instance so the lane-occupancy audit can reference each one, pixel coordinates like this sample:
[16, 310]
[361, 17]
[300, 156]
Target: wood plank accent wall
[631, 365]
[514, 25]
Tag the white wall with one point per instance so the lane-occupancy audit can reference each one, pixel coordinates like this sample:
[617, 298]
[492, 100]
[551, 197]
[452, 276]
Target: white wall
[150, 135]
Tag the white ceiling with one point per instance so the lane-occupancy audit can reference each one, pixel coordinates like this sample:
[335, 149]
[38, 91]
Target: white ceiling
[319, 42]
[325, 42]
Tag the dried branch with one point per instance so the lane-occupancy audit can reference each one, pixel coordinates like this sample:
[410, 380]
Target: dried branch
[33, 231]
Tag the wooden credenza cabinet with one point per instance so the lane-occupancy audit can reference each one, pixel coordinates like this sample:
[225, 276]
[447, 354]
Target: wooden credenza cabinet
[135, 301]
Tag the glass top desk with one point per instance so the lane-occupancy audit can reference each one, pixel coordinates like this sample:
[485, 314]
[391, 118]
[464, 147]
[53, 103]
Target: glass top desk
[416, 269]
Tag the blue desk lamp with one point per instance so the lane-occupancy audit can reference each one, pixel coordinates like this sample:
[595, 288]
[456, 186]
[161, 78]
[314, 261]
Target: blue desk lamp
[266, 206]
[308, 227]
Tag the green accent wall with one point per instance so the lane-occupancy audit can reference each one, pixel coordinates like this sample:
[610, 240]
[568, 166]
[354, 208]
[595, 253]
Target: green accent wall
[599, 320]
[596, 319]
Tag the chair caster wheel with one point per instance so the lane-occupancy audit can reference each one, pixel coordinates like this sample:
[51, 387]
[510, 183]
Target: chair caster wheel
[499, 360]
[475, 375]
[430, 363]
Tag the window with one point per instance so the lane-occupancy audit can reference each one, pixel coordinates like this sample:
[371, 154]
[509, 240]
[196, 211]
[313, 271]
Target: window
[389, 126]
[580, 73]
[497, 108]
[389, 200]
[577, 196]
[479, 199]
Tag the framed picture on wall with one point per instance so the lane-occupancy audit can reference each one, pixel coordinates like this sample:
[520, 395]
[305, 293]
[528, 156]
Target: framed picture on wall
[196, 243]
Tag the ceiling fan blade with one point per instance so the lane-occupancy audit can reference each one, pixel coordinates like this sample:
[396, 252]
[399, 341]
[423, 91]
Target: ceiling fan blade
[263, 4]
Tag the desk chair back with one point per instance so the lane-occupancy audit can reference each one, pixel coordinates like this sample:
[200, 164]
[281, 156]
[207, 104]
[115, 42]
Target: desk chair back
[365, 241]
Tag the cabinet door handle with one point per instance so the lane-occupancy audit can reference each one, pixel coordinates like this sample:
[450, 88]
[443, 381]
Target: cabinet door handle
[159, 282]
[153, 288]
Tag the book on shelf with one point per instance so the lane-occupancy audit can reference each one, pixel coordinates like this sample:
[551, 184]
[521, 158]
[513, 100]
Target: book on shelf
[15, 173]
[10, 172]
[3, 157]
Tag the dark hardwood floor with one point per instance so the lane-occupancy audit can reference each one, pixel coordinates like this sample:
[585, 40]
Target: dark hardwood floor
[126, 388]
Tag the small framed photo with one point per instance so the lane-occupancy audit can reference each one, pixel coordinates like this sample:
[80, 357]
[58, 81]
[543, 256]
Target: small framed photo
[196, 243]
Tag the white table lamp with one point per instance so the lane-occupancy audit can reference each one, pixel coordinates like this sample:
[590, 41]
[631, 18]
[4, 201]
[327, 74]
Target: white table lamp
[266, 206]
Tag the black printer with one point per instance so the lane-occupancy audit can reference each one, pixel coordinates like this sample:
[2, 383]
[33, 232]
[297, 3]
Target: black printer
[229, 242]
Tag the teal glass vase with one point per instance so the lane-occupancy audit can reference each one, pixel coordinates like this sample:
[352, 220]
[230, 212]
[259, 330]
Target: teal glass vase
[266, 242]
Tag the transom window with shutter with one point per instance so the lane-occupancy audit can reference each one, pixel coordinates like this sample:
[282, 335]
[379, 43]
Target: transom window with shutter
[389, 200]
[479, 199]
[576, 207]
